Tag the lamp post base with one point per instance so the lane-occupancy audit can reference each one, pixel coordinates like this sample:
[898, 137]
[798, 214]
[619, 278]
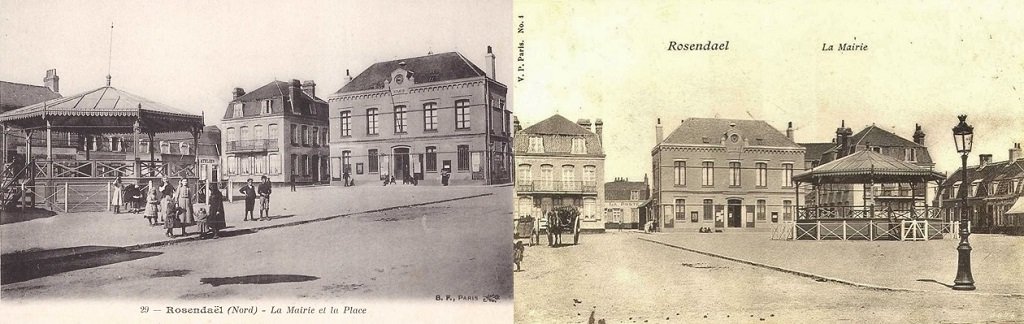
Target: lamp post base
[964, 280]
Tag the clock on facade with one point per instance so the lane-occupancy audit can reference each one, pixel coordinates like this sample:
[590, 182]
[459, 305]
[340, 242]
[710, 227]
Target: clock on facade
[399, 78]
[734, 138]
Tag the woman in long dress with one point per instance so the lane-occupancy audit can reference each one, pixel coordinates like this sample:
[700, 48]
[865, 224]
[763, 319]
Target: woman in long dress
[116, 198]
[152, 204]
[184, 199]
[216, 220]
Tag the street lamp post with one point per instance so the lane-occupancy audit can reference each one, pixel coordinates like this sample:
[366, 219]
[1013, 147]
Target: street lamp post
[963, 135]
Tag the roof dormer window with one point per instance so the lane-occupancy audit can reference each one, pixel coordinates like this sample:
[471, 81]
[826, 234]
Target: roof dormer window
[237, 110]
[268, 106]
[536, 145]
[579, 146]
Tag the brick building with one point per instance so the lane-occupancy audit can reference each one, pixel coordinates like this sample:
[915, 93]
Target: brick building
[411, 118]
[712, 172]
[995, 194]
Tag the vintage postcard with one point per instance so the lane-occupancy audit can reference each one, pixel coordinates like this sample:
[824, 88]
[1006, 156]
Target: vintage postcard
[235, 161]
[769, 162]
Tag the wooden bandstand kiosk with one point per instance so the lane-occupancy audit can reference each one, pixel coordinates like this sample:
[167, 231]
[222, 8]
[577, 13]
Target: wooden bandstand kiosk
[79, 181]
[866, 196]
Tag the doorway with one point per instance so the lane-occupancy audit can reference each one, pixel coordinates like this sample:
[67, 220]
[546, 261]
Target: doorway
[401, 170]
[735, 213]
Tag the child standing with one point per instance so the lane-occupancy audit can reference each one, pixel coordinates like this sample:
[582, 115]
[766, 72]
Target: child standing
[152, 205]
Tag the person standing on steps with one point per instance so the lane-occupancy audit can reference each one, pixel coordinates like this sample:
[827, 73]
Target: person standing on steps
[117, 196]
[264, 192]
[446, 172]
[249, 191]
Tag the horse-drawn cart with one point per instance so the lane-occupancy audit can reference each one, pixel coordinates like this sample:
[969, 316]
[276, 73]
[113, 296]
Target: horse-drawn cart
[563, 220]
[527, 227]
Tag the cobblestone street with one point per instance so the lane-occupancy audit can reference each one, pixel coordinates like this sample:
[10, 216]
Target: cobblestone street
[622, 279]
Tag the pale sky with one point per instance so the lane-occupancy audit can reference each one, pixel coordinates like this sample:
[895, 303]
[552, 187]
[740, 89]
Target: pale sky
[925, 64]
[191, 54]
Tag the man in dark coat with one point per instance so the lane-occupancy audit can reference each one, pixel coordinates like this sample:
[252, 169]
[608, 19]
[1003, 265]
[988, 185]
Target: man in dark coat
[264, 192]
[249, 191]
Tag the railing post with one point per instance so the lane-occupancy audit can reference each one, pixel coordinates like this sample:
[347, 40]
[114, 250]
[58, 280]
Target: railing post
[107, 202]
[926, 230]
[871, 230]
[817, 231]
[66, 196]
[844, 230]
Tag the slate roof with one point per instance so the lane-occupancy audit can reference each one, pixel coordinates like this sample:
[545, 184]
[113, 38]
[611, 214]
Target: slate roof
[993, 171]
[557, 133]
[274, 89]
[622, 190]
[694, 130]
[877, 137]
[429, 68]
[17, 95]
[815, 150]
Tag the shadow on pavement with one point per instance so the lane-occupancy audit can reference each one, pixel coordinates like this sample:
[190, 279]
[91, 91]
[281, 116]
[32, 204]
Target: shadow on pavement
[18, 267]
[16, 215]
[280, 216]
[935, 281]
[260, 279]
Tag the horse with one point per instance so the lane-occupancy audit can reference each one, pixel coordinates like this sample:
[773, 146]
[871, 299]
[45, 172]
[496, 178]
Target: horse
[561, 220]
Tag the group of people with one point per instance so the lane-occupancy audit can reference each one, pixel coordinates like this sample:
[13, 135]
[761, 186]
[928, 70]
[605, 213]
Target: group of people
[173, 207]
[251, 192]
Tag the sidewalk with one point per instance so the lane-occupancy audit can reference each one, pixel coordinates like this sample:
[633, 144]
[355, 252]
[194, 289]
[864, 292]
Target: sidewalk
[69, 234]
[997, 260]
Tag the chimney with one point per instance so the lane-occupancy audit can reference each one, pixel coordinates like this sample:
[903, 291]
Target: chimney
[293, 92]
[659, 132]
[918, 135]
[843, 134]
[585, 123]
[309, 87]
[348, 77]
[1015, 152]
[52, 81]
[489, 58]
[598, 126]
[789, 131]
[984, 159]
[516, 127]
[237, 93]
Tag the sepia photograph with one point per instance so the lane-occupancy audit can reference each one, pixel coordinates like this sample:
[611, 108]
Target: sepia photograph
[309, 161]
[768, 162]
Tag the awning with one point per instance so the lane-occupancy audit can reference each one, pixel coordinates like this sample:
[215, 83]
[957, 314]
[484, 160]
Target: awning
[1017, 208]
[645, 203]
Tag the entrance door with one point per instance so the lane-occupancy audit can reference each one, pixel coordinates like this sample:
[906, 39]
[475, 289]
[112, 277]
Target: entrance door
[401, 163]
[735, 213]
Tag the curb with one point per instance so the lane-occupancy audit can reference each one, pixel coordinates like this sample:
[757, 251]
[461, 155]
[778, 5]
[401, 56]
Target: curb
[134, 247]
[821, 278]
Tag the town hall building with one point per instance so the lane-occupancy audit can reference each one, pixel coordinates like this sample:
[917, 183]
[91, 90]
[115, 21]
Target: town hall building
[724, 173]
